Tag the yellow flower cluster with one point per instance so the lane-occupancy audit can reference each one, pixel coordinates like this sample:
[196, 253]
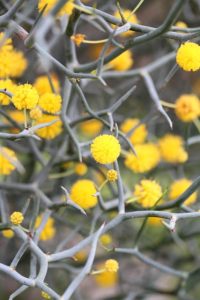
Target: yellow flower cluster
[50, 102]
[25, 97]
[138, 136]
[35, 113]
[172, 149]
[123, 62]
[111, 265]
[83, 193]
[7, 85]
[51, 131]
[147, 157]
[16, 218]
[66, 9]
[148, 192]
[80, 169]
[187, 107]
[91, 128]
[129, 17]
[178, 187]
[8, 233]
[181, 24]
[188, 56]
[43, 85]
[105, 149]
[8, 161]
[106, 239]
[48, 231]
[13, 62]
[112, 175]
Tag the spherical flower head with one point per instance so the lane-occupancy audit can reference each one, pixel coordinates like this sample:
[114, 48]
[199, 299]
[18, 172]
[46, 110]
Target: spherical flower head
[180, 186]
[123, 62]
[172, 150]
[111, 265]
[83, 193]
[65, 10]
[188, 56]
[50, 102]
[43, 85]
[138, 136]
[147, 158]
[181, 24]
[9, 86]
[49, 132]
[105, 149]
[25, 97]
[91, 128]
[106, 239]
[112, 175]
[187, 107]
[35, 113]
[16, 218]
[8, 233]
[45, 295]
[148, 192]
[8, 161]
[106, 279]
[130, 18]
[80, 256]
[80, 169]
[48, 232]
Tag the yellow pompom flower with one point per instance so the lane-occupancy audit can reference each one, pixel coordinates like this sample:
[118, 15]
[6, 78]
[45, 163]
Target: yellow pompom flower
[138, 136]
[80, 256]
[43, 85]
[130, 18]
[106, 279]
[7, 85]
[83, 193]
[45, 295]
[188, 56]
[50, 102]
[111, 265]
[25, 97]
[8, 161]
[181, 24]
[187, 107]
[148, 192]
[105, 149]
[106, 239]
[112, 175]
[91, 128]
[66, 8]
[49, 132]
[180, 186]
[123, 62]
[35, 113]
[16, 218]
[80, 169]
[172, 149]
[48, 232]
[147, 157]
[8, 233]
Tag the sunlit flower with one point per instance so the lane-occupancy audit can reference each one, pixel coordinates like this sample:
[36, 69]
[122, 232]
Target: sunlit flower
[178, 187]
[111, 265]
[188, 56]
[66, 8]
[80, 169]
[16, 218]
[25, 97]
[106, 239]
[8, 161]
[147, 157]
[50, 102]
[91, 128]
[138, 136]
[148, 192]
[83, 193]
[172, 149]
[49, 132]
[7, 85]
[187, 107]
[105, 149]
[48, 232]
[8, 233]
[42, 84]
[112, 175]
[122, 62]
